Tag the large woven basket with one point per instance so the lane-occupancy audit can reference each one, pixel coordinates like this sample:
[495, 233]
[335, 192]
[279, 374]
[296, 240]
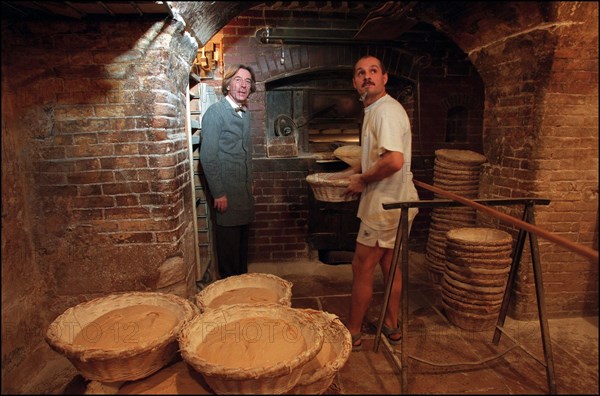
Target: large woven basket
[479, 238]
[240, 325]
[233, 288]
[318, 374]
[327, 189]
[137, 357]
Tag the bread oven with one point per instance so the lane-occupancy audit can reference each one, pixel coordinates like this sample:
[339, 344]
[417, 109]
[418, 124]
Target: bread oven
[312, 112]
[315, 112]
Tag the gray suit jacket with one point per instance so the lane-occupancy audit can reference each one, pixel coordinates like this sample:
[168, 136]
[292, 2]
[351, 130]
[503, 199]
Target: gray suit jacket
[226, 158]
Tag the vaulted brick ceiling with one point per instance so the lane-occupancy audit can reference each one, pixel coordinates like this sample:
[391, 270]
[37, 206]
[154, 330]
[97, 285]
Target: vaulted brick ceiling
[466, 23]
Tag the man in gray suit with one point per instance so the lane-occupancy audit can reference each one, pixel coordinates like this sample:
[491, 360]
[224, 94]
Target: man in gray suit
[226, 158]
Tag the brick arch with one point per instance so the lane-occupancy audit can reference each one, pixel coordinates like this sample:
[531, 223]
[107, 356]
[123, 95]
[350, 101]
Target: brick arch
[203, 19]
[303, 59]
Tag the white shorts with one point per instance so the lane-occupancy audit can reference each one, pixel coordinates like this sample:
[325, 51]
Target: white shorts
[370, 237]
[384, 238]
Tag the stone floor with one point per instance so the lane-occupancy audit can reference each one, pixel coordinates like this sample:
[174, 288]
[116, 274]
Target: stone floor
[442, 358]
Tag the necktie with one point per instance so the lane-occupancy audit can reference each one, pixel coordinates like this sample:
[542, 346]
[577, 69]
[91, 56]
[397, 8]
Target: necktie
[240, 108]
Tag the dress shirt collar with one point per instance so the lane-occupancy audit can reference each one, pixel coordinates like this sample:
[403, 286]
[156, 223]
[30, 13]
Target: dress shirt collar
[239, 109]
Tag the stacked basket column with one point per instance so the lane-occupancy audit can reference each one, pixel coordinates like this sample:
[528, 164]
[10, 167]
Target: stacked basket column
[477, 266]
[456, 171]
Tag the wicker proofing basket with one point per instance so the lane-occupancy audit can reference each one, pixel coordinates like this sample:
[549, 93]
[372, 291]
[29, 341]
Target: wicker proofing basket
[469, 321]
[282, 287]
[276, 378]
[329, 190]
[480, 238]
[140, 359]
[318, 375]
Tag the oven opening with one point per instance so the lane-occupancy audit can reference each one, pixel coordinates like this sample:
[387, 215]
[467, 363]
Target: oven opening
[319, 110]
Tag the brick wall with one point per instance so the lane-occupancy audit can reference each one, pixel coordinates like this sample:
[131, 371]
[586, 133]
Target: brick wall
[566, 166]
[541, 138]
[280, 230]
[98, 199]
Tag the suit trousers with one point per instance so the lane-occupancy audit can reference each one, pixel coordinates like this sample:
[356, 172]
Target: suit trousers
[232, 250]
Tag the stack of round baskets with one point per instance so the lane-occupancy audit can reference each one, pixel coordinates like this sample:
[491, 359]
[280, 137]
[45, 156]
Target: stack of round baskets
[257, 288]
[112, 339]
[250, 348]
[456, 171]
[327, 189]
[477, 267]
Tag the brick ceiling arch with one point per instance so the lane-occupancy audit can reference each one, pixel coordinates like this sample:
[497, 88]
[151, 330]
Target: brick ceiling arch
[471, 25]
[205, 18]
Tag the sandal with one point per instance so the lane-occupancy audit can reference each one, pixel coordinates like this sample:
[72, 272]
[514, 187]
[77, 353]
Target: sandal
[389, 333]
[357, 338]
[392, 332]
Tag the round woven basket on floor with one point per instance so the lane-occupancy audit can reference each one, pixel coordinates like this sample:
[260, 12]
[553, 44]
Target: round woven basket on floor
[318, 374]
[238, 367]
[450, 293]
[466, 275]
[470, 321]
[480, 237]
[329, 190]
[476, 290]
[469, 296]
[501, 261]
[476, 309]
[235, 290]
[137, 357]
[480, 273]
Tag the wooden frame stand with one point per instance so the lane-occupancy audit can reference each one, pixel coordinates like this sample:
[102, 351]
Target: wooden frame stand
[401, 253]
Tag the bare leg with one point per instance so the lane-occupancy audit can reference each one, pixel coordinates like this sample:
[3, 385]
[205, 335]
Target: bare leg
[393, 308]
[363, 265]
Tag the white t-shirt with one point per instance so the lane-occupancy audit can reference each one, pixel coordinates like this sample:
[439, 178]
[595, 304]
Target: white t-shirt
[386, 126]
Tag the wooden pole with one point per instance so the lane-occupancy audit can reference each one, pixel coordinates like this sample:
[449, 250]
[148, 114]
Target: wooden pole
[575, 247]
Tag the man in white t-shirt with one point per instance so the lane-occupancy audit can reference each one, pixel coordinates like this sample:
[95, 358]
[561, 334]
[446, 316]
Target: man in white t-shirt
[383, 176]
